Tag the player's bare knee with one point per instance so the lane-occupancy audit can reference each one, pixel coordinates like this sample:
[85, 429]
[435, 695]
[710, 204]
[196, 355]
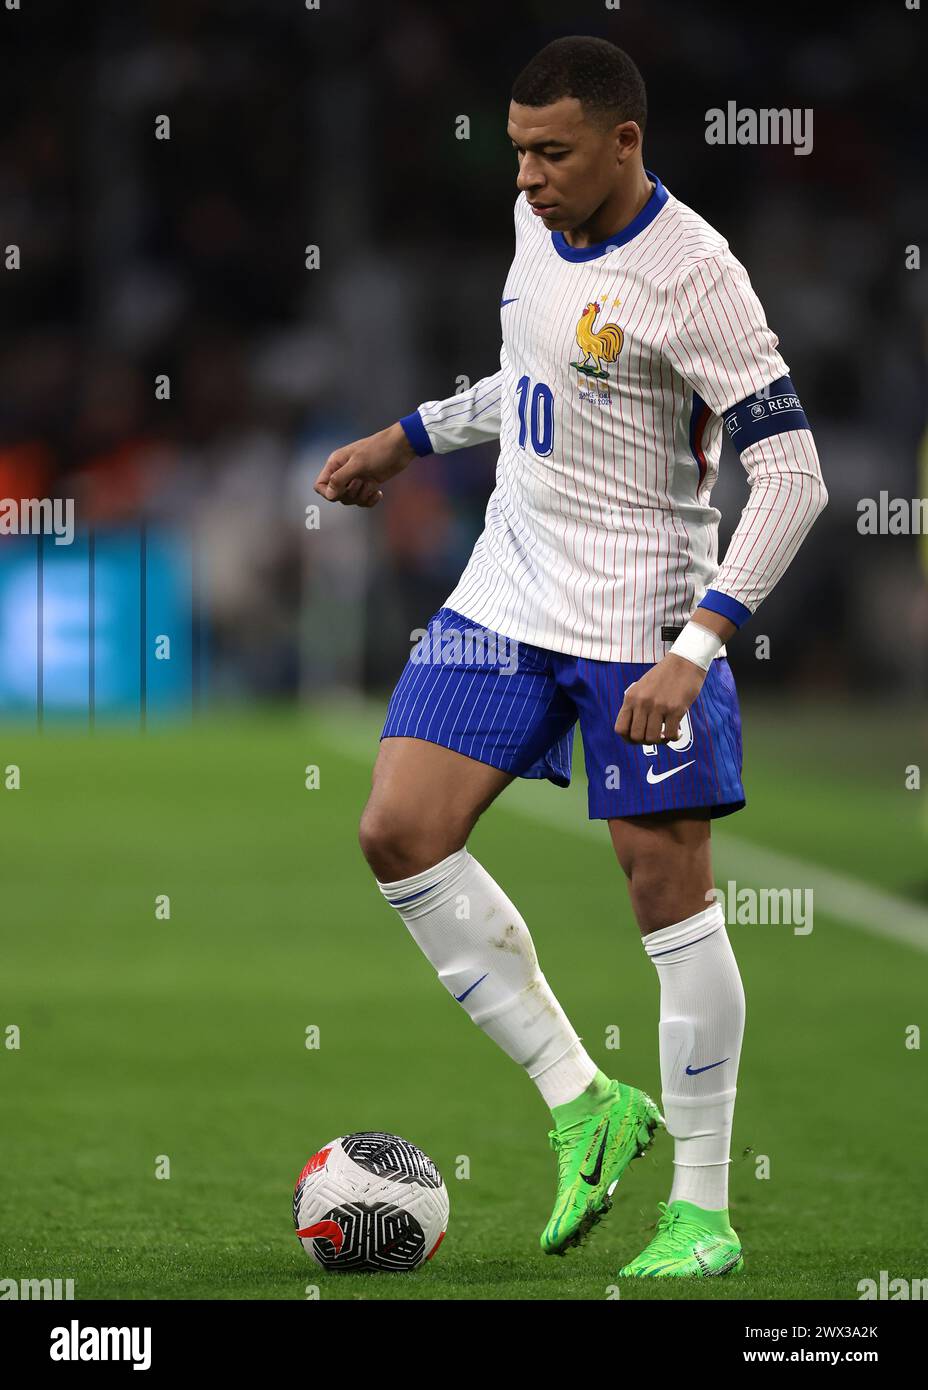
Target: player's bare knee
[378, 840]
[397, 846]
[651, 896]
[661, 899]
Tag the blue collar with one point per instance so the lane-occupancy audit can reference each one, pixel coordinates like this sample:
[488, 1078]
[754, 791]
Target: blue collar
[644, 218]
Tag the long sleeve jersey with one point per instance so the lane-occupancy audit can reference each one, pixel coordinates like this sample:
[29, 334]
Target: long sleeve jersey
[621, 364]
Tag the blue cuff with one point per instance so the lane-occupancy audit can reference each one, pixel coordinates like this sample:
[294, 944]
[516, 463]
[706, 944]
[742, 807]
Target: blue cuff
[416, 433]
[729, 607]
[771, 411]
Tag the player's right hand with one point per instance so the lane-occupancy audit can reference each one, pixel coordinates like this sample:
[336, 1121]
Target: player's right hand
[352, 473]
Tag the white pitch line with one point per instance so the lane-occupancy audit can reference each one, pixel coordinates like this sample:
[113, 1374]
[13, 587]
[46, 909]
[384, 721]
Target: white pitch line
[849, 901]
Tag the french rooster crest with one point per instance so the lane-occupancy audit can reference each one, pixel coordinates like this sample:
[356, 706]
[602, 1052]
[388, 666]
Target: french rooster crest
[599, 346]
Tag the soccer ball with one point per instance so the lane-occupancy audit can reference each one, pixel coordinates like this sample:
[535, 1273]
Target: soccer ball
[370, 1201]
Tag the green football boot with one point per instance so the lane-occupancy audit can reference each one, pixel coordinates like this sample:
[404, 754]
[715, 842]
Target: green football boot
[592, 1154]
[690, 1243]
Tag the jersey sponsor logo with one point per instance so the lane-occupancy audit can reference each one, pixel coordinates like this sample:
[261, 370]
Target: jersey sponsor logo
[654, 777]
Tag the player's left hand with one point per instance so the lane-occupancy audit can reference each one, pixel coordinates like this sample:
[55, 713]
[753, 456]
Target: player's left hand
[655, 704]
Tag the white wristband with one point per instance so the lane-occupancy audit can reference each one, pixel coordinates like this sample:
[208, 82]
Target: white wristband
[698, 644]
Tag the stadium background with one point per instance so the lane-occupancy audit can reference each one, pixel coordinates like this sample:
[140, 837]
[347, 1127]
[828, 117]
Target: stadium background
[185, 256]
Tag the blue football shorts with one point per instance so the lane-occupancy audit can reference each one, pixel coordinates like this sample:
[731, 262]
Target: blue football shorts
[515, 706]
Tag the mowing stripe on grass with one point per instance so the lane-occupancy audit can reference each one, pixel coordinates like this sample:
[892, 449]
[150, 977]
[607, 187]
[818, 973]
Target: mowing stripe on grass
[847, 900]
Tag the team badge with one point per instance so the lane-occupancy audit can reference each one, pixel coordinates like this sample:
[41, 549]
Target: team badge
[599, 346]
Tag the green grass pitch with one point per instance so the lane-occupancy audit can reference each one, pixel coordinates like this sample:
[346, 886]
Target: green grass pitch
[186, 1038]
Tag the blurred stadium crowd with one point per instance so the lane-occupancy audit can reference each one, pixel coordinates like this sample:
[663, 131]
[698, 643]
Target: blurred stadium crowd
[336, 128]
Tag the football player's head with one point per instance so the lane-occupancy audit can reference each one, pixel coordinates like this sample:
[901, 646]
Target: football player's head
[576, 120]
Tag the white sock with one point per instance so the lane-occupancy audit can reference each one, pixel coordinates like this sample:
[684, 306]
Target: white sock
[701, 1027]
[485, 958]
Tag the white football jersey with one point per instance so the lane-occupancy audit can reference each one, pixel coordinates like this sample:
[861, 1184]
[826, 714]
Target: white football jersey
[618, 364]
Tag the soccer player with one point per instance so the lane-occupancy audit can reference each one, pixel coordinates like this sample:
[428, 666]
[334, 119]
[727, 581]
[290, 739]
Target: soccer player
[631, 337]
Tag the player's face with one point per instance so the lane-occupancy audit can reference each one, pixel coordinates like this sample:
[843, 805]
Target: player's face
[567, 166]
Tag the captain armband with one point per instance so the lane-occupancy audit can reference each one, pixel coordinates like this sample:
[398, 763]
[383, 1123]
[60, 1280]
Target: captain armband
[772, 410]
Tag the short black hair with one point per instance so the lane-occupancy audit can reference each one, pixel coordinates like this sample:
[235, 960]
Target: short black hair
[599, 74]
